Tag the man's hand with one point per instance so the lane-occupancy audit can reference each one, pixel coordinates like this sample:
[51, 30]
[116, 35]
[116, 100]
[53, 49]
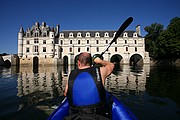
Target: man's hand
[97, 60]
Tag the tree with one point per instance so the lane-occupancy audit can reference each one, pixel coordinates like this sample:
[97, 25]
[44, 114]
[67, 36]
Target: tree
[169, 41]
[152, 37]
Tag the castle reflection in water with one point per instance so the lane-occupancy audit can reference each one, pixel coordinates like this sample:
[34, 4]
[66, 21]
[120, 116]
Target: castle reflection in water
[49, 82]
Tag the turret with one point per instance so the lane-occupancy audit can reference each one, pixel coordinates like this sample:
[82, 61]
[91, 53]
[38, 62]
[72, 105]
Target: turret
[20, 42]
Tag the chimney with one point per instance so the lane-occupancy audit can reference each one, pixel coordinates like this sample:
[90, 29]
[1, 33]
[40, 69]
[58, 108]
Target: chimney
[57, 30]
[138, 27]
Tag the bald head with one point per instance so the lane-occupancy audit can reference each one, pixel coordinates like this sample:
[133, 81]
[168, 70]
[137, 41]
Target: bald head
[85, 59]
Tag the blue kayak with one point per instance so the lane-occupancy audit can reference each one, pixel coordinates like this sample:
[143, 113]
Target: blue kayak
[119, 111]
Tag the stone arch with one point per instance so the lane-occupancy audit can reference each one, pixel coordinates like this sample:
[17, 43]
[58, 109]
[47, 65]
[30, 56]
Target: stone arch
[7, 63]
[136, 60]
[116, 58]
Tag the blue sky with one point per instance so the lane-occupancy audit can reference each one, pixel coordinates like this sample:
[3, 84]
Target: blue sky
[80, 15]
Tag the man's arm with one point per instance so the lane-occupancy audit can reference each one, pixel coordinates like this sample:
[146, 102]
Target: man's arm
[65, 91]
[107, 68]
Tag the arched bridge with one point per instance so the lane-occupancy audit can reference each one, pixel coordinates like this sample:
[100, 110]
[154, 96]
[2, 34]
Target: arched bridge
[9, 60]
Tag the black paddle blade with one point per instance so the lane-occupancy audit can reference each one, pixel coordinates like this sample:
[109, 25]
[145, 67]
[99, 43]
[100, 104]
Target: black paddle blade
[126, 23]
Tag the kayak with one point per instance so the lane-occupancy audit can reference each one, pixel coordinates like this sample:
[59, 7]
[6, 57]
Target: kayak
[119, 111]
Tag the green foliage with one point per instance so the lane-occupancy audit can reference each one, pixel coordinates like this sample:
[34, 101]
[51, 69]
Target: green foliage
[150, 39]
[163, 44]
[169, 41]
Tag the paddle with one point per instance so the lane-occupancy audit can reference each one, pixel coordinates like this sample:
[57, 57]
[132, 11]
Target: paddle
[126, 23]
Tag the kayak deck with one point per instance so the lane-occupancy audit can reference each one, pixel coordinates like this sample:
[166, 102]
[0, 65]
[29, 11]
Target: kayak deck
[119, 111]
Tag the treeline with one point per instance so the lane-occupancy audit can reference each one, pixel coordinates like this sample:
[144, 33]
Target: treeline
[163, 43]
[4, 54]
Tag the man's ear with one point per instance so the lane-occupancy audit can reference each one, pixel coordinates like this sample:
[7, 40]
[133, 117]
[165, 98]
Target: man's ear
[79, 63]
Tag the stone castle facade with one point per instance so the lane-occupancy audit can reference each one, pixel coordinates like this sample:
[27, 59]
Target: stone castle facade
[46, 45]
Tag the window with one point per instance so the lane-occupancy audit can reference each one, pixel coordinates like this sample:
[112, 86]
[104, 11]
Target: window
[71, 34]
[36, 34]
[28, 34]
[125, 35]
[27, 42]
[79, 42]
[135, 41]
[70, 41]
[97, 34]
[36, 40]
[97, 49]
[44, 41]
[87, 34]
[44, 34]
[35, 48]
[61, 42]
[87, 49]
[106, 41]
[79, 49]
[106, 35]
[97, 41]
[44, 49]
[27, 50]
[116, 42]
[87, 41]
[135, 49]
[79, 34]
[126, 48]
[125, 41]
[135, 34]
[70, 49]
[115, 49]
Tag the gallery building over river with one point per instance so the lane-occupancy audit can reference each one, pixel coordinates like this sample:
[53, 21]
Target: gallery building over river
[44, 45]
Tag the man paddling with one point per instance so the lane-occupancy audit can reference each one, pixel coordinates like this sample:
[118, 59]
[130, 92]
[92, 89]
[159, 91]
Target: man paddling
[85, 87]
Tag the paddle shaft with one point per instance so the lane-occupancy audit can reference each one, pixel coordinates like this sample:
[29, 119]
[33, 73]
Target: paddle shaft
[126, 23]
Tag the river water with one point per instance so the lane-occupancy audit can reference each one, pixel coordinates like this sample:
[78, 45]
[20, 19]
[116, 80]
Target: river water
[150, 92]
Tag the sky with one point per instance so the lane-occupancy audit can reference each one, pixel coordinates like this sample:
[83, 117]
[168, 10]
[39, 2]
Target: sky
[80, 15]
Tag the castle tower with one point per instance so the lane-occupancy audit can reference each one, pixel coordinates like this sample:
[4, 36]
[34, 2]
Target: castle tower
[20, 42]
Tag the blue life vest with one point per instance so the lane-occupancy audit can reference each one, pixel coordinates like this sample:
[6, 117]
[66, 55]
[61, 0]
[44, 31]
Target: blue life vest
[85, 87]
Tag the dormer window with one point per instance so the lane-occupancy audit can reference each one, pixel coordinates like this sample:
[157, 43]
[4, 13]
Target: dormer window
[106, 34]
[134, 34]
[97, 34]
[79, 34]
[28, 35]
[125, 35]
[70, 34]
[87, 34]
[61, 34]
[36, 34]
[44, 34]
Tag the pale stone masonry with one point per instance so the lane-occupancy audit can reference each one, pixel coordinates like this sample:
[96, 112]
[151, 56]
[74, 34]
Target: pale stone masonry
[49, 46]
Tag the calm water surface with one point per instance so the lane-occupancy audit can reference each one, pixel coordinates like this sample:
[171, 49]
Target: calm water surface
[151, 92]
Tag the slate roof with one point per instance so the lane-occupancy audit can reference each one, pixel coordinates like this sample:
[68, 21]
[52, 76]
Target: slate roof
[93, 32]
